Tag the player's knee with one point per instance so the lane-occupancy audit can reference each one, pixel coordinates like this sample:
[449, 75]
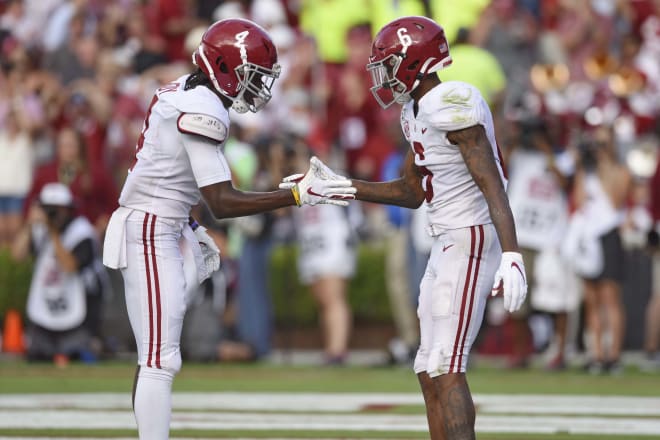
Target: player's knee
[174, 363]
[156, 374]
[170, 367]
[442, 361]
[421, 360]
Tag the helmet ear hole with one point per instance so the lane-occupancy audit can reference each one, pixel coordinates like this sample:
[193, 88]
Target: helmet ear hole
[413, 66]
[223, 67]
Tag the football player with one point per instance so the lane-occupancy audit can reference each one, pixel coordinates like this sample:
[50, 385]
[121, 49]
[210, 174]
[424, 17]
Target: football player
[179, 159]
[455, 166]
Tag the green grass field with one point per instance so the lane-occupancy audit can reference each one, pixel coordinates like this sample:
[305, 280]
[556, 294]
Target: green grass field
[19, 378]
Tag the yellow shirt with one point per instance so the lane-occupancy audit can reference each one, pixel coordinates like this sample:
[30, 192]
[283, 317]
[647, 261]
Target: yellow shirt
[476, 66]
[384, 11]
[453, 15]
[328, 21]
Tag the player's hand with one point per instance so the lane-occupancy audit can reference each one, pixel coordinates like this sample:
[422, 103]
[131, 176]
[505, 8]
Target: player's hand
[210, 251]
[510, 277]
[319, 185]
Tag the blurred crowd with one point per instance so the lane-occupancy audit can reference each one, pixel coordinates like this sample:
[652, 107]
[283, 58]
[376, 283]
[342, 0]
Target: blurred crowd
[575, 91]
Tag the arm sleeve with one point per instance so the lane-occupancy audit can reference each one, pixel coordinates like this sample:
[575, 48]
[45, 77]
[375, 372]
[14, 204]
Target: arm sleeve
[207, 161]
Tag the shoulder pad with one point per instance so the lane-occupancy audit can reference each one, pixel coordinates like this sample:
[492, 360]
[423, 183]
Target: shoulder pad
[202, 125]
[456, 105]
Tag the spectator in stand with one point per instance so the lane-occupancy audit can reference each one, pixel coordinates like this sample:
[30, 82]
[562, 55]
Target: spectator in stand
[538, 185]
[602, 185]
[360, 121]
[384, 12]
[65, 298]
[652, 331]
[91, 185]
[326, 263]
[470, 63]
[509, 33]
[76, 58]
[171, 20]
[399, 288]
[250, 167]
[456, 15]
[16, 168]
[330, 36]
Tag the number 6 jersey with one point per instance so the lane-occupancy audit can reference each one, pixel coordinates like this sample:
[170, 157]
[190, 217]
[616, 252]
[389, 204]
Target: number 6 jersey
[453, 197]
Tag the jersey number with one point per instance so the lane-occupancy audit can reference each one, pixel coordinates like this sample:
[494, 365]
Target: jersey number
[171, 87]
[427, 179]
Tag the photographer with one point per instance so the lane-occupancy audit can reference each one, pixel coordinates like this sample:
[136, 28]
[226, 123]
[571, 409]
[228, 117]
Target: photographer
[64, 302]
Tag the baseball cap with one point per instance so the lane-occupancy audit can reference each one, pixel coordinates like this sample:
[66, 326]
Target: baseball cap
[56, 194]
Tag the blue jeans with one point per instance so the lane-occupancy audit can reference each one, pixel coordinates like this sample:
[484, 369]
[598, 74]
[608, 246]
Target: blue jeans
[255, 309]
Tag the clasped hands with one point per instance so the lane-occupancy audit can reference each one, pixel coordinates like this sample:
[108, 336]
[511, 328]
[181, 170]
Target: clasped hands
[319, 185]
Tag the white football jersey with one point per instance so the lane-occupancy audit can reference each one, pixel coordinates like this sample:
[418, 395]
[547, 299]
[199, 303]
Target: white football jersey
[454, 199]
[171, 165]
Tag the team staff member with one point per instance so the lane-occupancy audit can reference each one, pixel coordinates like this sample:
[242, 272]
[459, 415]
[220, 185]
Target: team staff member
[179, 159]
[455, 166]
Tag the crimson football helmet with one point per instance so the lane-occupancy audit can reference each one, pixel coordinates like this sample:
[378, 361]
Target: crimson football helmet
[240, 59]
[403, 52]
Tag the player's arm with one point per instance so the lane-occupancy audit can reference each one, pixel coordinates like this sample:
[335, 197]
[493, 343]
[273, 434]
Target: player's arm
[226, 201]
[202, 136]
[478, 155]
[405, 191]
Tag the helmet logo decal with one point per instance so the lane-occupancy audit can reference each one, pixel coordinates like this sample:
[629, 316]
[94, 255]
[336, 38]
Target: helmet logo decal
[240, 43]
[404, 38]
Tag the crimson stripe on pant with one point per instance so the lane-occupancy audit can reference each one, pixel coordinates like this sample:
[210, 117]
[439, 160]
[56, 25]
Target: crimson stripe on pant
[465, 293]
[474, 286]
[145, 227]
[157, 291]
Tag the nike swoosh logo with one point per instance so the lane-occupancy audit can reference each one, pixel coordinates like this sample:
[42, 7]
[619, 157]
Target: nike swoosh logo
[312, 193]
[444, 248]
[424, 130]
[514, 264]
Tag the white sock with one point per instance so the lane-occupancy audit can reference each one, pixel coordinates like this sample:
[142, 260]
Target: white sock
[153, 403]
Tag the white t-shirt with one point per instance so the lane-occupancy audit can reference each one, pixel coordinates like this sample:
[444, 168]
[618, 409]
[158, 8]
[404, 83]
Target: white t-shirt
[326, 242]
[538, 203]
[171, 166]
[16, 166]
[454, 199]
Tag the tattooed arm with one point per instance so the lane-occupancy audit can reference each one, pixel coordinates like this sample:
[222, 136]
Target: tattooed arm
[478, 155]
[405, 191]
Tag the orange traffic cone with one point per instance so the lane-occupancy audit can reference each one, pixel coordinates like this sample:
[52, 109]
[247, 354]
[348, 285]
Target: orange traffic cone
[12, 335]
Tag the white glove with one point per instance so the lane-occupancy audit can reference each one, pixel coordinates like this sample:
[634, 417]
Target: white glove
[319, 185]
[510, 277]
[210, 250]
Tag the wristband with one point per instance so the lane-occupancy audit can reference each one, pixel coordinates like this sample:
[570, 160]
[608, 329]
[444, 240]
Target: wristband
[296, 194]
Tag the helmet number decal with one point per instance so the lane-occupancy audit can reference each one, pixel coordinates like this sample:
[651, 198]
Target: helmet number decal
[240, 43]
[404, 38]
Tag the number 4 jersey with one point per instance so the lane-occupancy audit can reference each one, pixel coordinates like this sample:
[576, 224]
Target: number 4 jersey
[179, 151]
[453, 197]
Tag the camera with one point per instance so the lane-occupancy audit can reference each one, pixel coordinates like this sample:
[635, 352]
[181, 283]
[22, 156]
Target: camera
[588, 154]
[51, 212]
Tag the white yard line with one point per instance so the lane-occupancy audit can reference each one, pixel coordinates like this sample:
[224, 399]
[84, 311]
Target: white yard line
[100, 419]
[346, 402]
